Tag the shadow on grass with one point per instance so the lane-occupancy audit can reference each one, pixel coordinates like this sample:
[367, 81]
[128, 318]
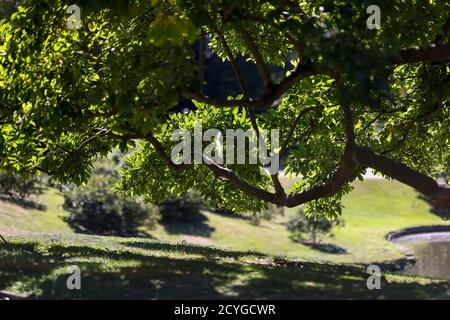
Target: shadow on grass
[22, 202]
[197, 227]
[126, 274]
[326, 247]
[208, 252]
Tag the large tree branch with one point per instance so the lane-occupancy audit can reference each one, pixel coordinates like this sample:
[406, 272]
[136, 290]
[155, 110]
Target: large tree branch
[164, 156]
[434, 53]
[231, 177]
[399, 171]
[342, 176]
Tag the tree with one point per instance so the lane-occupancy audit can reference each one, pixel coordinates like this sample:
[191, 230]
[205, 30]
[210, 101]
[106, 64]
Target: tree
[18, 187]
[301, 225]
[353, 97]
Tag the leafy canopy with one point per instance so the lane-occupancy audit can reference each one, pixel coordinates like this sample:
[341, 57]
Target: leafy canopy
[352, 97]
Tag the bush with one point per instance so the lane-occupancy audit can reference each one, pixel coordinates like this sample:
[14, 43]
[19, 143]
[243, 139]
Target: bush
[104, 212]
[304, 228]
[19, 187]
[270, 213]
[183, 209]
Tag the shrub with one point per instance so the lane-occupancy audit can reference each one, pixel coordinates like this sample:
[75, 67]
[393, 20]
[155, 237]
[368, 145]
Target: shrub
[186, 208]
[105, 212]
[270, 213]
[304, 228]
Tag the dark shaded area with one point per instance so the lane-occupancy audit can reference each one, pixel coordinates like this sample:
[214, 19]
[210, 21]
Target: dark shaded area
[195, 228]
[7, 7]
[155, 277]
[231, 214]
[183, 215]
[101, 211]
[25, 203]
[443, 213]
[220, 80]
[208, 252]
[325, 247]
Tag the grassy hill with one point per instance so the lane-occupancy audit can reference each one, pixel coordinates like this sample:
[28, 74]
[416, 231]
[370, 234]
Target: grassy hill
[121, 268]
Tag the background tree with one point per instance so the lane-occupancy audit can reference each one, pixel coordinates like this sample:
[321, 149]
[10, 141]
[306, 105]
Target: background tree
[310, 228]
[352, 97]
[18, 187]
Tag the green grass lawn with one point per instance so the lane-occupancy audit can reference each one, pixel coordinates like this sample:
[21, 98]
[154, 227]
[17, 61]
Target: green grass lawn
[223, 257]
[373, 209]
[49, 218]
[121, 268]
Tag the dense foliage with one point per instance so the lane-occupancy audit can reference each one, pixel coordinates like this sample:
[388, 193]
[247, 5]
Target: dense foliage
[352, 97]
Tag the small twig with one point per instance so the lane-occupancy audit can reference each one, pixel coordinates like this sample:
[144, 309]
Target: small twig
[240, 80]
[202, 60]
[259, 61]
[3, 239]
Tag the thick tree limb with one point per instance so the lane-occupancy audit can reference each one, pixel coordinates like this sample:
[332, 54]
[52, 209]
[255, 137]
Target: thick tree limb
[434, 53]
[279, 190]
[231, 177]
[399, 171]
[164, 156]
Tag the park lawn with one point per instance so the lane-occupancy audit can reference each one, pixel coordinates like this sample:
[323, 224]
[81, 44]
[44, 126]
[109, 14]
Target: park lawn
[119, 268]
[46, 216]
[373, 209]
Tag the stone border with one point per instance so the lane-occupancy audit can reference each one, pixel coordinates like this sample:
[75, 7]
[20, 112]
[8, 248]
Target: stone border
[416, 230]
